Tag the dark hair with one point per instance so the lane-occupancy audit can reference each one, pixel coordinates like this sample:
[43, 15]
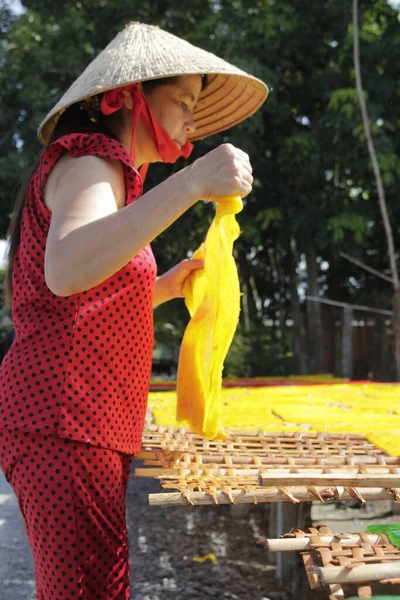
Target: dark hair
[72, 120]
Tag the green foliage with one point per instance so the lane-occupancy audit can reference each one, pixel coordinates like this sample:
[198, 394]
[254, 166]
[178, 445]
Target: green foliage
[256, 353]
[314, 183]
[346, 101]
[355, 223]
[389, 164]
[170, 321]
[269, 215]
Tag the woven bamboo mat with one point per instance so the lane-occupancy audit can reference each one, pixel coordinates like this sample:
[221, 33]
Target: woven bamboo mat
[333, 560]
[254, 467]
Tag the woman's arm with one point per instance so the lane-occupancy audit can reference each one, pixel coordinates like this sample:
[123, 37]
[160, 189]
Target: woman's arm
[90, 239]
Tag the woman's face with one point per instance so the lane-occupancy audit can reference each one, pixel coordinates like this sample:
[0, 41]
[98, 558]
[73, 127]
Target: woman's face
[173, 104]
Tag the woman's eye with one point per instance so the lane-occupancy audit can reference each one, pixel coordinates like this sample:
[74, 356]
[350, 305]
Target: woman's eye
[184, 105]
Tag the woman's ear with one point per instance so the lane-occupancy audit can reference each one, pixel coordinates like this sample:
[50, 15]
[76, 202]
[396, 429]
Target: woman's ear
[128, 100]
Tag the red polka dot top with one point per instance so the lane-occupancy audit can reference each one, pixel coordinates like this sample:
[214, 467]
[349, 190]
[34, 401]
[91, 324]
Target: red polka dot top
[80, 366]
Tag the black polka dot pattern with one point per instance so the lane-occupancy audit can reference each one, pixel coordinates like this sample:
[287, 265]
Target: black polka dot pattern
[72, 499]
[80, 366]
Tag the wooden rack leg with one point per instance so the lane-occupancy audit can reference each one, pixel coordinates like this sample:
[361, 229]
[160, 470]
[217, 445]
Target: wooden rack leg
[336, 592]
[283, 518]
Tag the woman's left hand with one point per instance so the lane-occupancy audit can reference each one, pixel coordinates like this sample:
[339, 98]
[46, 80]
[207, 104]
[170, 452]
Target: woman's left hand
[170, 284]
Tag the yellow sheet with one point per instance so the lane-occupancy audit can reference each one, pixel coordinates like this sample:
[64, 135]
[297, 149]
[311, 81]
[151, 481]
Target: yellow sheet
[367, 408]
[212, 296]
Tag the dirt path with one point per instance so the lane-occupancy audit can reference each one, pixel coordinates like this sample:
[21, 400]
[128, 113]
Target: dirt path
[164, 542]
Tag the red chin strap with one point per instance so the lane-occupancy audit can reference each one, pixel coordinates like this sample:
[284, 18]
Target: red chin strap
[168, 150]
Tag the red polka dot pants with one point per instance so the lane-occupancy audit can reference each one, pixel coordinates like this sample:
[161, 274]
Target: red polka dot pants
[72, 499]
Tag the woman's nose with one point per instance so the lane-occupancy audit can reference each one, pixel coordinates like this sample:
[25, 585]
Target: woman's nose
[190, 125]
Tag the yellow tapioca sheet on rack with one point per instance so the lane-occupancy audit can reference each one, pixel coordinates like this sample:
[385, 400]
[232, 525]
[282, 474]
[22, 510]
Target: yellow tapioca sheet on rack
[212, 296]
[372, 409]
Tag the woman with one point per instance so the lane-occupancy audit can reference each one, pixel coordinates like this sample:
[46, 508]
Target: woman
[84, 284]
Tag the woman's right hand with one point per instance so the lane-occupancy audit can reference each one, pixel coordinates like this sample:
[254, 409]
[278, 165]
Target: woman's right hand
[225, 171]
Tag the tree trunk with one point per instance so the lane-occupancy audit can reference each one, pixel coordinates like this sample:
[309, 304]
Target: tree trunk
[299, 350]
[396, 330]
[347, 343]
[245, 305]
[249, 310]
[314, 326]
[379, 187]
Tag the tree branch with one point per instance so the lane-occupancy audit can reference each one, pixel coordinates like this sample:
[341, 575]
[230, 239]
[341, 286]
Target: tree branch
[367, 268]
[371, 150]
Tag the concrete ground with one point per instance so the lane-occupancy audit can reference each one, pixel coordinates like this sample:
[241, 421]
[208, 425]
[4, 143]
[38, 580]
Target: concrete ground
[16, 571]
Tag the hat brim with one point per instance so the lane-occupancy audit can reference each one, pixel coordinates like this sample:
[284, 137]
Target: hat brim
[141, 53]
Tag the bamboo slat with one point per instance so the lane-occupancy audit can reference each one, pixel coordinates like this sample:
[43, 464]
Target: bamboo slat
[359, 573]
[332, 560]
[359, 480]
[212, 495]
[307, 543]
[223, 490]
[252, 467]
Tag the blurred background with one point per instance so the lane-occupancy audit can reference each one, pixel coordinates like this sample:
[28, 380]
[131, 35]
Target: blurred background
[312, 224]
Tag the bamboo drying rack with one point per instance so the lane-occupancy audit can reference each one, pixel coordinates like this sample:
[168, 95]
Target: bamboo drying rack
[335, 559]
[256, 467]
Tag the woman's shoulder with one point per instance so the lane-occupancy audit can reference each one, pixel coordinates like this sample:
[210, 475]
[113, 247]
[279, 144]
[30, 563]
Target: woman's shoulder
[98, 150]
[88, 158]
[85, 171]
[90, 165]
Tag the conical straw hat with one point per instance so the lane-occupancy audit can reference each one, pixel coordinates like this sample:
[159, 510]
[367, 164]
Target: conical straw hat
[141, 52]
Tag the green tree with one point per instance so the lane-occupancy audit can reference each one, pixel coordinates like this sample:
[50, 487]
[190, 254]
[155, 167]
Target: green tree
[314, 192]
